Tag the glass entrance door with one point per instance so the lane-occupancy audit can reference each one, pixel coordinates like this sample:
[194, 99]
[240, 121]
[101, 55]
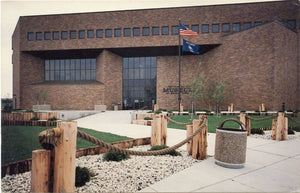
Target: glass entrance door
[139, 82]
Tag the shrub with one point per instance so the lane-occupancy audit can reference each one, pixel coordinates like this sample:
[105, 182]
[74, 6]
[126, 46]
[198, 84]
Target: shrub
[148, 118]
[257, 131]
[170, 111]
[158, 112]
[83, 175]
[114, 156]
[296, 128]
[52, 119]
[149, 112]
[34, 119]
[159, 147]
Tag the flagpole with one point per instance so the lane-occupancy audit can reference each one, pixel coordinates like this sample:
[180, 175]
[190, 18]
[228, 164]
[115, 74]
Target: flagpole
[179, 61]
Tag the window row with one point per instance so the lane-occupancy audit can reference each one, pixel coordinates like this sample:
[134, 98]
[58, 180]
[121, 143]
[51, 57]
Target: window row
[70, 69]
[145, 31]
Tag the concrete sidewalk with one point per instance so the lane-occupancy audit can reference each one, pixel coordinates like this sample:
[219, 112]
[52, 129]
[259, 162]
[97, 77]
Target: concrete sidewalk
[271, 166]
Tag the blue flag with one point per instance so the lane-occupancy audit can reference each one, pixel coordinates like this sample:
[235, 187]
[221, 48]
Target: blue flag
[189, 47]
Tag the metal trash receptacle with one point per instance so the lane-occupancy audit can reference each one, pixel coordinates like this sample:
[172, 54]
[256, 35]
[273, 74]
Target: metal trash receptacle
[231, 145]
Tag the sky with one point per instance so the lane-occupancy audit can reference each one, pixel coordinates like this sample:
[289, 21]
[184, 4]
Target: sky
[11, 10]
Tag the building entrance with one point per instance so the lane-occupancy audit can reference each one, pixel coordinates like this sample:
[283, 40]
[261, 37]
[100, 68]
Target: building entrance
[139, 82]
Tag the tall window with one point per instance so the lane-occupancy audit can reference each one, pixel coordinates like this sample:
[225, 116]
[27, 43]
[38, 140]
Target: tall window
[99, 33]
[73, 34]
[175, 30]
[195, 28]
[155, 31]
[127, 32]
[236, 27]
[47, 35]
[38, 36]
[225, 27]
[55, 35]
[81, 34]
[90, 33]
[165, 30]
[136, 31]
[30, 36]
[205, 28]
[139, 82]
[108, 33]
[215, 28]
[70, 69]
[118, 32]
[146, 31]
[64, 35]
[247, 25]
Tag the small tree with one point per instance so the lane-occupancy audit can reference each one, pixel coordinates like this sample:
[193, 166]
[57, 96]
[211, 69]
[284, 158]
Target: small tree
[218, 94]
[198, 86]
[44, 95]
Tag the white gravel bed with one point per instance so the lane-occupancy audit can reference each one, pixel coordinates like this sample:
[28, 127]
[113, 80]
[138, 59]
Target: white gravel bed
[268, 135]
[129, 175]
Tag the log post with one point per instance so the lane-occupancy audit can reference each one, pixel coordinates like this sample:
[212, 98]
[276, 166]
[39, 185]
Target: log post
[181, 108]
[156, 131]
[164, 128]
[189, 145]
[155, 108]
[41, 171]
[286, 127]
[64, 157]
[246, 122]
[274, 129]
[281, 132]
[248, 126]
[231, 107]
[199, 150]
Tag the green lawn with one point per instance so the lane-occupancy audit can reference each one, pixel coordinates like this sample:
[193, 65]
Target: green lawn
[18, 142]
[214, 121]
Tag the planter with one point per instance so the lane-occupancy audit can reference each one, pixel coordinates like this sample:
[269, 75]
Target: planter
[231, 145]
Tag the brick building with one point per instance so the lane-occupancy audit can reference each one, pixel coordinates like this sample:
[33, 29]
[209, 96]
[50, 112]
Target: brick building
[130, 58]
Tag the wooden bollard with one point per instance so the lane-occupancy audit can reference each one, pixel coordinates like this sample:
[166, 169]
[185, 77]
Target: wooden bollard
[189, 145]
[64, 157]
[199, 150]
[281, 132]
[274, 129]
[156, 131]
[156, 107]
[41, 171]
[246, 122]
[164, 129]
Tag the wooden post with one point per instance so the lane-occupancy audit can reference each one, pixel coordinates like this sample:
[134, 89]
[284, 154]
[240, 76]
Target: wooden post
[156, 131]
[246, 122]
[40, 171]
[263, 107]
[189, 145]
[274, 129]
[248, 126]
[286, 127]
[199, 150]
[231, 107]
[281, 132]
[64, 157]
[181, 108]
[164, 128]
[155, 108]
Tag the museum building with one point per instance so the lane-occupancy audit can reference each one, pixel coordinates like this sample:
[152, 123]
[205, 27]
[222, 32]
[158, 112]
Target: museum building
[131, 58]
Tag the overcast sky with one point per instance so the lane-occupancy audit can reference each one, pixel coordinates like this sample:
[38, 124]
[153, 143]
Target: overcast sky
[11, 10]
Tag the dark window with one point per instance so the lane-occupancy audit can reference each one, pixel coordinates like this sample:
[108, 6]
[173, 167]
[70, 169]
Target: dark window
[236, 27]
[90, 33]
[165, 30]
[195, 28]
[136, 31]
[175, 30]
[39, 36]
[108, 33]
[215, 28]
[99, 33]
[155, 31]
[292, 24]
[73, 34]
[118, 32]
[64, 35]
[81, 34]
[139, 82]
[247, 25]
[47, 35]
[55, 35]
[146, 31]
[257, 23]
[127, 32]
[30, 36]
[205, 28]
[70, 69]
[225, 27]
